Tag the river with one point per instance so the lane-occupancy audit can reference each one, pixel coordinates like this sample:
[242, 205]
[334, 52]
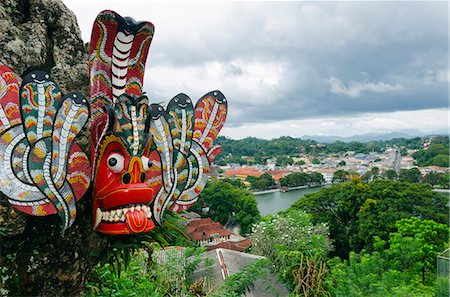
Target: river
[274, 202]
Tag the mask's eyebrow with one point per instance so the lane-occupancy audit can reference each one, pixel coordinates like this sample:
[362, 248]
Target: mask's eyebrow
[117, 151]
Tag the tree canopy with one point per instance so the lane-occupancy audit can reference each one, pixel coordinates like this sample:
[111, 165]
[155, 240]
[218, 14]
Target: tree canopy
[263, 182]
[437, 154]
[356, 211]
[224, 199]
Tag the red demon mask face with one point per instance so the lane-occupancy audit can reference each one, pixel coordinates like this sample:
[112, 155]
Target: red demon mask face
[147, 159]
[121, 198]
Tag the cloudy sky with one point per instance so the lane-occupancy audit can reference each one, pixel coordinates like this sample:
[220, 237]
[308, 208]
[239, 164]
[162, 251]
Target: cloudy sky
[296, 68]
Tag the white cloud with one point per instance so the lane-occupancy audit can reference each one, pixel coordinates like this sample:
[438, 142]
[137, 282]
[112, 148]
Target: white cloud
[357, 88]
[439, 76]
[245, 80]
[426, 121]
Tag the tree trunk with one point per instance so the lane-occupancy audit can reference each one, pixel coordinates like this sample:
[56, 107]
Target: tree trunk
[35, 259]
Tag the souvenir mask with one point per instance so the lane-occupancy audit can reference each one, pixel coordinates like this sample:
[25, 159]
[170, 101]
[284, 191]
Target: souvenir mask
[145, 159]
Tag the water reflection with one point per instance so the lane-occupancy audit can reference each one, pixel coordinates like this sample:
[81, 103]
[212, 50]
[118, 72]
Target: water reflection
[278, 201]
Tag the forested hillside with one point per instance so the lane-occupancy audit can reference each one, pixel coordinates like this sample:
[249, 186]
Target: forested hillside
[262, 149]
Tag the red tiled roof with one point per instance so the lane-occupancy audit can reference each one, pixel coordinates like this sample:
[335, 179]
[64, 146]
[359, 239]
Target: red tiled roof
[205, 229]
[200, 222]
[239, 246]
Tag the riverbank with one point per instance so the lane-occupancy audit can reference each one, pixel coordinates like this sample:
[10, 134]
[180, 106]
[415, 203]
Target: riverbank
[289, 189]
[266, 191]
[274, 202]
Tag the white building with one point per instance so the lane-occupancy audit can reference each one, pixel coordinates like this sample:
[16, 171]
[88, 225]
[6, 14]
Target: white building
[327, 174]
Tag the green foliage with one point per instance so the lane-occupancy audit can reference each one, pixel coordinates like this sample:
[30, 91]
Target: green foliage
[368, 275]
[171, 277]
[415, 246]
[263, 182]
[315, 161]
[135, 281]
[300, 162]
[436, 179]
[342, 163]
[445, 181]
[294, 246]
[263, 149]
[371, 146]
[412, 175]
[406, 267]
[375, 171]
[235, 182]
[390, 174]
[372, 174]
[340, 176]
[296, 179]
[224, 198]
[316, 178]
[356, 212]
[437, 154]
[247, 213]
[284, 160]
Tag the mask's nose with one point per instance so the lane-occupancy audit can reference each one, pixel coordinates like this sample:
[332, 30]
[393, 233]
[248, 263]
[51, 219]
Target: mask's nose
[135, 173]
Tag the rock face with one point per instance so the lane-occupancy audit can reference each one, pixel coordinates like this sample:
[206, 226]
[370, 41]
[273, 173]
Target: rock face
[34, 258]
[43, 34]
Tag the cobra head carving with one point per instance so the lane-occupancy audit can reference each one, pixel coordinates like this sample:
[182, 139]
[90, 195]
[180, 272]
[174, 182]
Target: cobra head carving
[42, 170]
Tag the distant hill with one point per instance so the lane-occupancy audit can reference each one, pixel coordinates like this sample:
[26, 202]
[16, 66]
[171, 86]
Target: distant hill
[407, 134]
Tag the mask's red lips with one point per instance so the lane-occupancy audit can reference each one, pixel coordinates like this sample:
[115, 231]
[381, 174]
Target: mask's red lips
[131, 194]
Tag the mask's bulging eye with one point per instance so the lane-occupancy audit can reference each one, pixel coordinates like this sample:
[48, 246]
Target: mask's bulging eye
[146, 163]
[116, 162]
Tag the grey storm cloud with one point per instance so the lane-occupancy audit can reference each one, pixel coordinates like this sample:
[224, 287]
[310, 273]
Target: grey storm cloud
[297, 60]
[336, 58]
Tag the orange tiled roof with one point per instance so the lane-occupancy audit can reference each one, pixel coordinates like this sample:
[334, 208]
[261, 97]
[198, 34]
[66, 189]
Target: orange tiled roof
[243, 171]
[277, 174]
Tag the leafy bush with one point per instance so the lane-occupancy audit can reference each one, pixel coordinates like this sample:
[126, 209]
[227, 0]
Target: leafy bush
[367, 275]
[296, 249]
[407, 267]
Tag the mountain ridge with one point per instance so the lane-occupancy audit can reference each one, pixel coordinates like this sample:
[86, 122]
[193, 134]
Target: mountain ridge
[407, 134]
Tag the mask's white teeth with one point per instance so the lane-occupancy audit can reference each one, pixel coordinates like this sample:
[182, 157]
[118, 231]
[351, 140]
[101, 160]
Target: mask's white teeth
[118, 215]
[98, 218]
